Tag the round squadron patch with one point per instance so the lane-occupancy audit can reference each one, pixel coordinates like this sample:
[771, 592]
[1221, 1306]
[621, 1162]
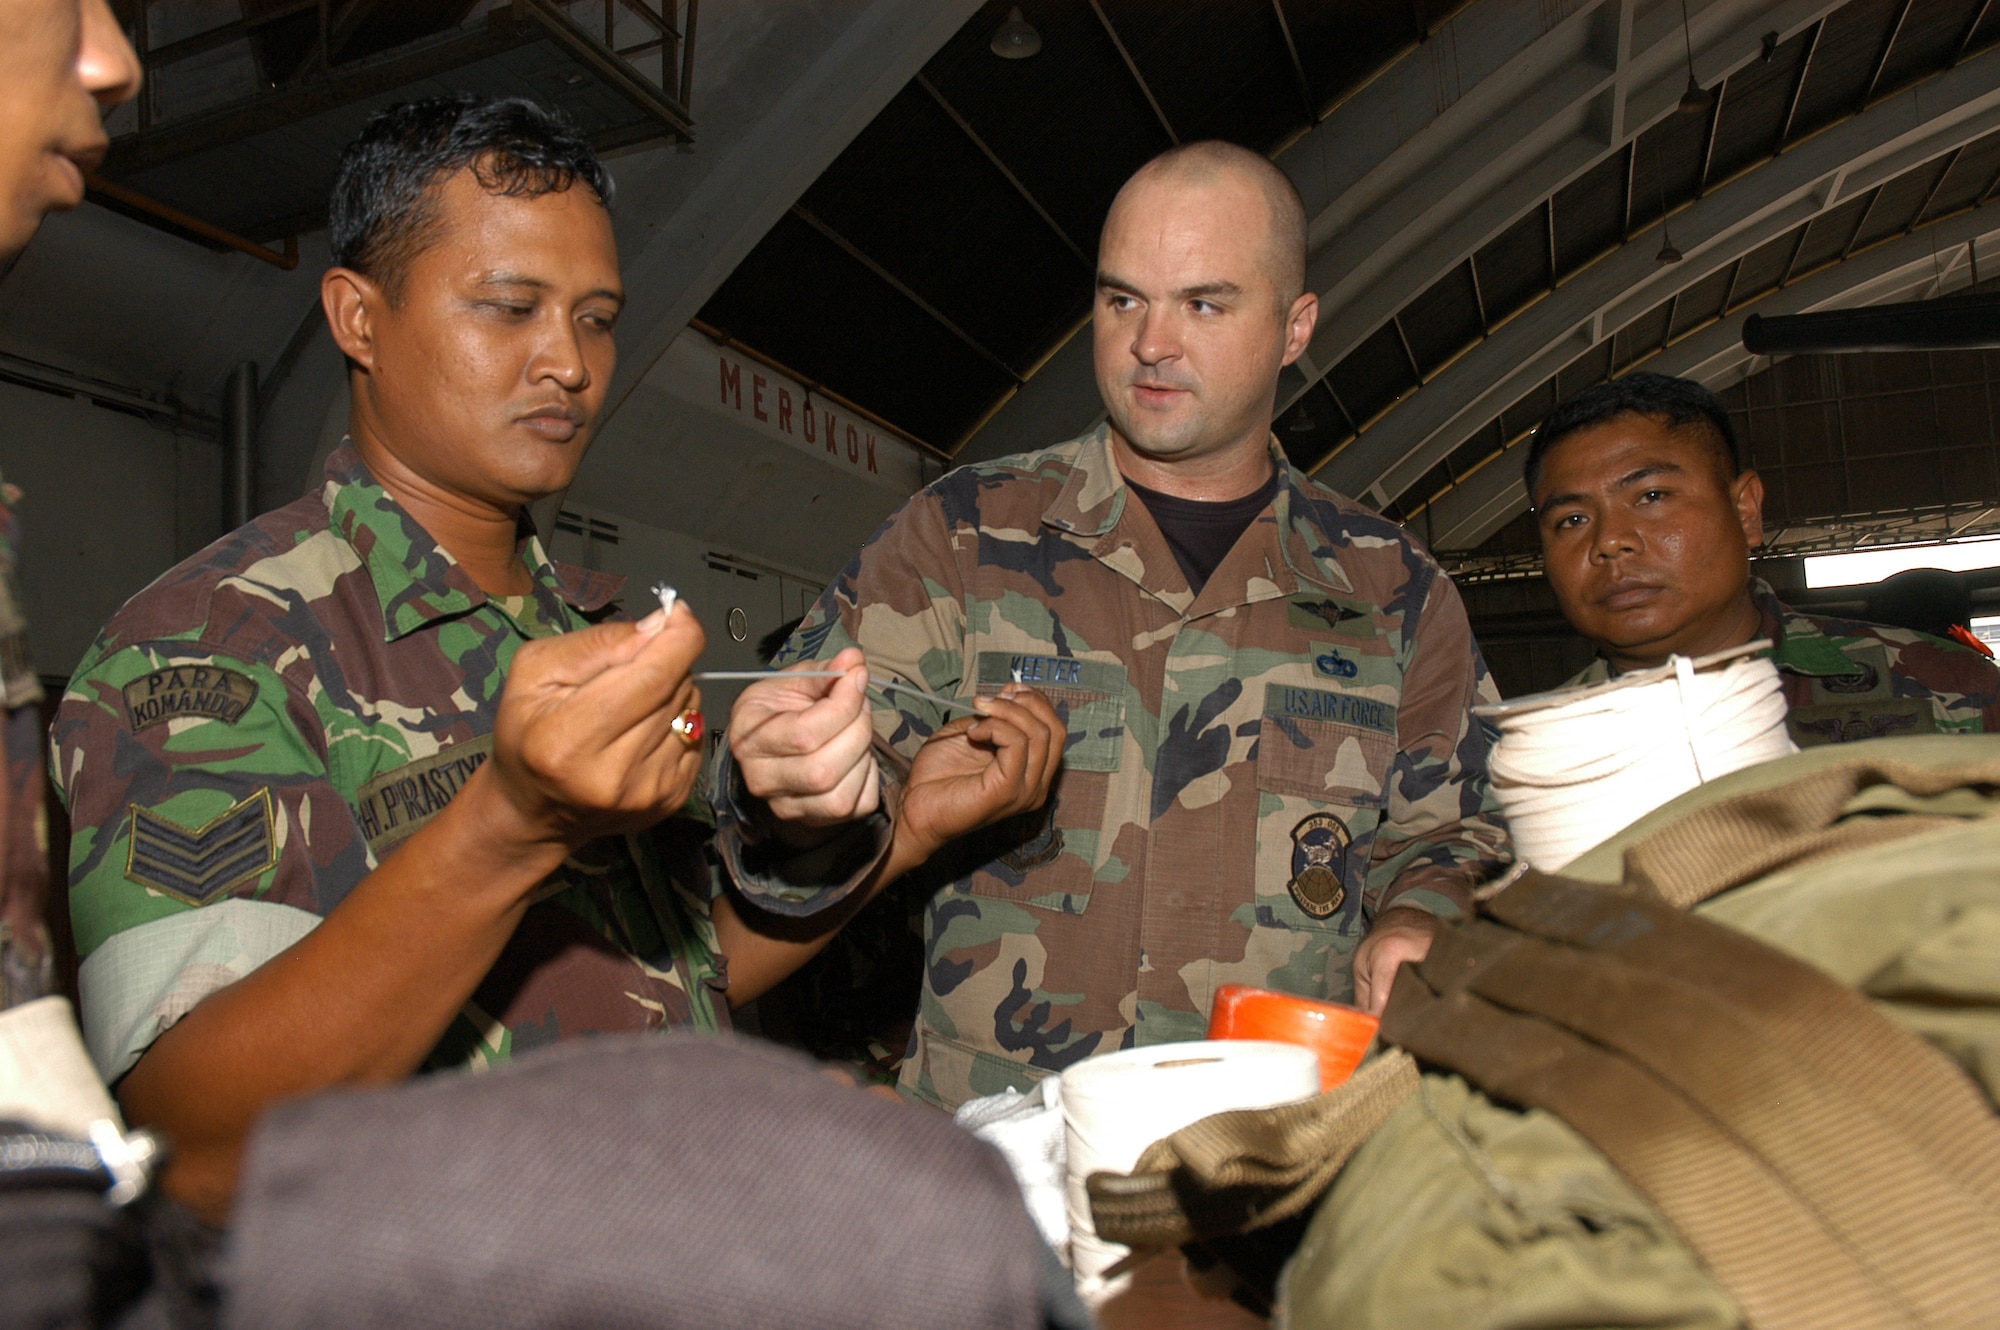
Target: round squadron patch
[1318, 845]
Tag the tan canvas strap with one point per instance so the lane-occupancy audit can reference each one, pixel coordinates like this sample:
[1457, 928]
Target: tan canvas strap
[1798, 1007]
[1750, 835]
[1711, 1070]
[1781, 1267]
[1236, 1172]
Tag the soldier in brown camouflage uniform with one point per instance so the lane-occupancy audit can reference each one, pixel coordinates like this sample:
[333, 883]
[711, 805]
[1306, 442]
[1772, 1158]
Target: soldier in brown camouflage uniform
[1648, 517]
[62, 64]
[1270, 775]
[369, 784]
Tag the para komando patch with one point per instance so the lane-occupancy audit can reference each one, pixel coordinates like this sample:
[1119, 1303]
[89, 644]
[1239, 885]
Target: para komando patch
[203, 692]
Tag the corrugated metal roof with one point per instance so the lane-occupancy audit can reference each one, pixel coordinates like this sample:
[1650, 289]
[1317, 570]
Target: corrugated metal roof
[1898, 206]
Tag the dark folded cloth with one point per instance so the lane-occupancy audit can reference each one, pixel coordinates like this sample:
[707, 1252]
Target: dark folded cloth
[657, 1181]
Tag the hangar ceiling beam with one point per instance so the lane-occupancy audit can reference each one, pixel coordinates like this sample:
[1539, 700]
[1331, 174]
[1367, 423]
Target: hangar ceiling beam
[1494, 496]
[837, 66]
[1971, 27]
[1298, 65]
[1888, 45]
[1027, 195]
[1799, 84]
[1390, 227]
[901, 288]
[1133, 65]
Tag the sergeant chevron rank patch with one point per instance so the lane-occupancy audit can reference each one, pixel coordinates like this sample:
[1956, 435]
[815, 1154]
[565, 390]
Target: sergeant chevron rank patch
[1319, 843]
[202, 864]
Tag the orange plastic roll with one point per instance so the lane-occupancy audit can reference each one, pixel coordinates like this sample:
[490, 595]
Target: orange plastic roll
[1339, 1034]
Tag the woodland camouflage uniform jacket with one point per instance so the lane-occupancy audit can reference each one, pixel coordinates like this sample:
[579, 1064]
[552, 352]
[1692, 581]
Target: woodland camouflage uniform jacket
[1252, 773]
[1846, 680]
[253, 732]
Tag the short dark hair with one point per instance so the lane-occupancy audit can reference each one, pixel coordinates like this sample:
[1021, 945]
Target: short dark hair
[1677, 401]
[383, 208]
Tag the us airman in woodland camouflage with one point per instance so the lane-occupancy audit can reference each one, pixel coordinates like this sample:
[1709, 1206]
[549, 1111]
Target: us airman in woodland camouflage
[1270, 772]
[370, 783]
[1648, 516]
[63, 63]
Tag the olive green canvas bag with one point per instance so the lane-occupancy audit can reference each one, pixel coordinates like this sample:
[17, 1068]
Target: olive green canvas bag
[1754, 1069]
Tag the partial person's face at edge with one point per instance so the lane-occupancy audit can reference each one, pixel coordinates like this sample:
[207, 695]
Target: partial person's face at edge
[486, 372]
[1189, 333]
[1647, 539]
[62, 64]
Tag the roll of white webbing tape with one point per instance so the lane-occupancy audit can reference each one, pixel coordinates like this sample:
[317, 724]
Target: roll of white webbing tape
[1116, 1105]
[1576, 766]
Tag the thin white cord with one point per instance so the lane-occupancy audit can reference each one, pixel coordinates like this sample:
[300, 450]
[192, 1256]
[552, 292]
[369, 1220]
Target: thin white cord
[1572, 768]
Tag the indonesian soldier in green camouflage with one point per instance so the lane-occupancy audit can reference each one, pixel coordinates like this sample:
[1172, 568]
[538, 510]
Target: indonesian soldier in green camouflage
[1270, 773]
[370, 784]
[1647, 518]
[360, 787]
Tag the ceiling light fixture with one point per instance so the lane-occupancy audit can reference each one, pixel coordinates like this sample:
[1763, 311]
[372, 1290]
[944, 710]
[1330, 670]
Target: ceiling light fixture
[1696, 98]
[1667, 254]
[1016, 39]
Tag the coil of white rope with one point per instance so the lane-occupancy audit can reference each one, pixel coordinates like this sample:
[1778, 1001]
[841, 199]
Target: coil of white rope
[1576, 766]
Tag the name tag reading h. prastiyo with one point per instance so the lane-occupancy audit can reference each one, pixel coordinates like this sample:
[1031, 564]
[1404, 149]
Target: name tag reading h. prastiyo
[1317, 704]
[393, 806]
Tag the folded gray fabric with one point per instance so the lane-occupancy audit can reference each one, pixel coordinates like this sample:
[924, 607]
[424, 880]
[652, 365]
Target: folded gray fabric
[657, 1181]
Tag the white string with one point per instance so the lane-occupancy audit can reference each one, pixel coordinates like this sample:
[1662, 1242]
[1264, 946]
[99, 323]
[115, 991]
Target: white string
[1572, 768]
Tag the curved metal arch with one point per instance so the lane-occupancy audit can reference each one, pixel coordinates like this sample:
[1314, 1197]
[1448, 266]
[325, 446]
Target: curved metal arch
[1398, 198]
[1494, 495]
[1820, 173]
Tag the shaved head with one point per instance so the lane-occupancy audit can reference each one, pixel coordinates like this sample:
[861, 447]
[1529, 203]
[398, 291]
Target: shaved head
[1200, 305]
[1211, 162]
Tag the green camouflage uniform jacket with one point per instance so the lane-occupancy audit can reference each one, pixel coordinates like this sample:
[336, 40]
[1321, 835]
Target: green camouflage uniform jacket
[18, 685]
[26, 959]
[1252, 773]
[253, 732]
[1847, 680]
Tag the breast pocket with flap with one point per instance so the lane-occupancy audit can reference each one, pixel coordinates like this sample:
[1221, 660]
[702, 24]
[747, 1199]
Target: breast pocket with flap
[1325, 746]
[1088, 694]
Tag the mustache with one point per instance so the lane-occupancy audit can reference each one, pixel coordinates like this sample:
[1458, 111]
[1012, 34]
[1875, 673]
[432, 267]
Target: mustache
[1152, 378]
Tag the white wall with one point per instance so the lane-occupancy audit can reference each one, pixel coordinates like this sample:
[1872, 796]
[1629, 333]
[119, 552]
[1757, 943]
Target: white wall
[110, 501]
